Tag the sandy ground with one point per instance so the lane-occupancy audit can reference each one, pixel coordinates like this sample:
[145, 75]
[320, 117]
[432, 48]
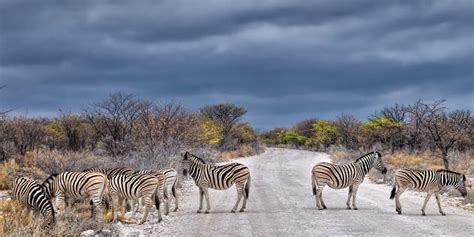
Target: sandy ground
[281, 203]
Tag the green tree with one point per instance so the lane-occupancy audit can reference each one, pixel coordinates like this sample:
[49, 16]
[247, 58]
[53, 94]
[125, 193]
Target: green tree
[326, 133]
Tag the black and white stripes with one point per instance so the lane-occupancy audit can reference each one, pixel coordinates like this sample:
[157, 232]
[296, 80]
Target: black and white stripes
[77, 185]
[32, 196]
[217, 177]
[134, 187]
[428, 181]
[342, 176]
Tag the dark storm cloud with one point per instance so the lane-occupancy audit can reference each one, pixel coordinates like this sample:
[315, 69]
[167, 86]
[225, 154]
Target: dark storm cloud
[283, 60]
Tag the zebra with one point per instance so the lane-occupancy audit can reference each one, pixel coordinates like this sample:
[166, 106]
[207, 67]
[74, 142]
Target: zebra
[111, 172]
[218, 177]
[162, 190]
[77, 185]
[342, 176]
[32, 197]
[428, 181]
[171, 180]
[136, 186]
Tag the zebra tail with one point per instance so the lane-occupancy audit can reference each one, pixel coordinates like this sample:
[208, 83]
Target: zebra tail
[247, 187]
[394, 190]
[314, 183]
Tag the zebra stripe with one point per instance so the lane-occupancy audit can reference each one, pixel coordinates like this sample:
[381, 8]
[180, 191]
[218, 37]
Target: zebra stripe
[111, 172]
[428, 181]
[218, 177]
[136, 186]
[77, 185]
[342, 176]
[32, 197]
[171, 180]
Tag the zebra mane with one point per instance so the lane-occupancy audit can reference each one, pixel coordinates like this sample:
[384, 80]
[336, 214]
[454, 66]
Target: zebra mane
[366, 155]
[452, 172]
[198, 158]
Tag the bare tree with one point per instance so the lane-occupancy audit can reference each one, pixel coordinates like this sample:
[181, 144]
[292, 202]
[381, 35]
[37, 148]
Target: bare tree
[114, 120]
[226, 115]
[348, 128]
[444, 130]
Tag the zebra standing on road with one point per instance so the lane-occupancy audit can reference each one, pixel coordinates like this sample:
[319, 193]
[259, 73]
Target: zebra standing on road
[32, 197]
[218, 177]
[77, 185]
[133, 187]
[428, 181]
[171, 180]
[342, 176]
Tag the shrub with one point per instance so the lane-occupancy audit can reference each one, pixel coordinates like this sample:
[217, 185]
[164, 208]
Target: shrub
[7, 173]
[12, 217]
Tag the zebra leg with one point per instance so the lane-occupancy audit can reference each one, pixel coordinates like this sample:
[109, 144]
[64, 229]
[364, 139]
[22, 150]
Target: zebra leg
[349, 198]
[398, 207]
[439, 204]
[114, 203]
[59, 200]
[131, 203]
[175, 196]
[424, 204]
[206, 194]
[240, 188]
[201, 194]
[147, 202]
[354, 195]
[320, 192]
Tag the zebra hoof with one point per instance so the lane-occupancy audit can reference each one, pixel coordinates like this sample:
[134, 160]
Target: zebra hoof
[348, 207]
[355, 208]
[320, 208]
[233, 211]
[206, 212]
[423, 214]
[443, 214]
[324, 207]
[242, 210]
[199, 211]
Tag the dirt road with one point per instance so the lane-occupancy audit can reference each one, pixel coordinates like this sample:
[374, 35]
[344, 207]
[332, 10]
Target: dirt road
[281, 203]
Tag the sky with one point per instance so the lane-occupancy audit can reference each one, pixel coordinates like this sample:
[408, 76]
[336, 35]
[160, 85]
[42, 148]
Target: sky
[282, 60]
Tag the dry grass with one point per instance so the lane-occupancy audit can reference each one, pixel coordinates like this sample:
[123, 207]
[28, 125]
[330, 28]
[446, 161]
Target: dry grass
[71, 223]
[8, 172]
[242, 151]
[12, 217]
[425, 160]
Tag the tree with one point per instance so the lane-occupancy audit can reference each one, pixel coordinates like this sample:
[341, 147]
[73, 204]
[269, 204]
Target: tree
[114, 121]
[444, 130]
[292, 137]
[273, 137]
[326, 133]
[225, 115]
[348, 129]
[381, 129]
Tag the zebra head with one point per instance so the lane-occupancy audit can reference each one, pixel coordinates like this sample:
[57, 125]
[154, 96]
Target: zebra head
[378, 163]
[455, 180]
[186, 164]
[49, 186]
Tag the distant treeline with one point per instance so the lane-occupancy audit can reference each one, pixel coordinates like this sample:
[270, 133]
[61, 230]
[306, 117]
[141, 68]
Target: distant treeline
[416, 127]
[123, 124]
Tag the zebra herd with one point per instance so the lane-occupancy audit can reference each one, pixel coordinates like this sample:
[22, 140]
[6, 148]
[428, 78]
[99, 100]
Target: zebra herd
[114, 187]
[104, 188]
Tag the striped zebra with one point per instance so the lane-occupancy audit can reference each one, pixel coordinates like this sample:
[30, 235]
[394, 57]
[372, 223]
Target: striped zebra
[77, 185]
[171, 180]
[218, 177]
[32, 197]
[111, 172]
[342, 176]
[428, 181]
[133, 187]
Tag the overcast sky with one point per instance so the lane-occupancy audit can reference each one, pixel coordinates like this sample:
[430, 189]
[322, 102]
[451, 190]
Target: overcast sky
[283, 60]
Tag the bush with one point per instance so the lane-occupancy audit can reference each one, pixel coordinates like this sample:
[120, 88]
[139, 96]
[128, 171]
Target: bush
[58, 161]
[8, 172]
[12, 217]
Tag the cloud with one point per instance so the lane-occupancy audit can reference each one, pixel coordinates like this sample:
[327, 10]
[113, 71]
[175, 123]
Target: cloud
[283, 60]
